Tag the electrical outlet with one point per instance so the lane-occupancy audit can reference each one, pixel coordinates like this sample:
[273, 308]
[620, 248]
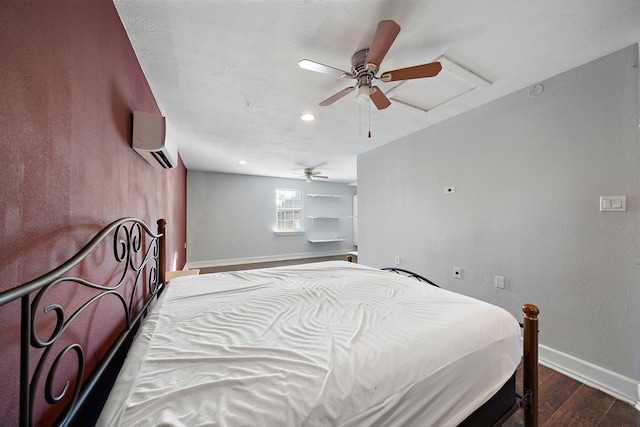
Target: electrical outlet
[613, 203]
[499, 282]
[397, 260]
[457, 272]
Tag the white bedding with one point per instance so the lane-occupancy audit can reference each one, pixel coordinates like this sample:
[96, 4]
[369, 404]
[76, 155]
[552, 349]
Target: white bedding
[323, 344]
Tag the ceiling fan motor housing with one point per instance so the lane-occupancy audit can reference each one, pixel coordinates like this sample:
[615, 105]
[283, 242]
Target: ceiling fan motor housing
[364, 73]
[358, 61]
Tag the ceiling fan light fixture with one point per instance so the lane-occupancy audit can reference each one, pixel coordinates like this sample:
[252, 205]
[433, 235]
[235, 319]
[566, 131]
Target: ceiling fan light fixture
[363, 94]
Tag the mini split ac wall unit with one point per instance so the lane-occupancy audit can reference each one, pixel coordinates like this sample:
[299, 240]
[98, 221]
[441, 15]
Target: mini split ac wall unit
[149, 132]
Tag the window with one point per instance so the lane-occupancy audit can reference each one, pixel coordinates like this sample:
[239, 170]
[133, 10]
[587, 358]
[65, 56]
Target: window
[288, 210]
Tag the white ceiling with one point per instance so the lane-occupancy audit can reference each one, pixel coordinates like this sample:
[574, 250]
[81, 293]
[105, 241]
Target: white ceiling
[225, 72]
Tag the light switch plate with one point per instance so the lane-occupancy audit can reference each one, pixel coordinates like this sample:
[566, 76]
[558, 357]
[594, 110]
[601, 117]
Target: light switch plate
[613, 203]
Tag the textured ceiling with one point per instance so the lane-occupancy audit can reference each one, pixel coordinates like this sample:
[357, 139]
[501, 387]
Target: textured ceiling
[225, 73]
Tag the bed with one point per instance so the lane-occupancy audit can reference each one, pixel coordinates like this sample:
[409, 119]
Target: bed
[322, 344]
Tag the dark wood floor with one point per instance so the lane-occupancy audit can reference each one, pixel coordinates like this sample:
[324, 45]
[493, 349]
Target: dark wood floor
[270, 264]
[565, 402]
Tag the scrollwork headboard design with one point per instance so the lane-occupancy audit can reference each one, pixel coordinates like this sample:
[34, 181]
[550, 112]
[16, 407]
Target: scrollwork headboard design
[135, 280]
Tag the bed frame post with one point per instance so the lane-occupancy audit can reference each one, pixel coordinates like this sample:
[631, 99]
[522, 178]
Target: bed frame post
[530, 364]
[162, 230]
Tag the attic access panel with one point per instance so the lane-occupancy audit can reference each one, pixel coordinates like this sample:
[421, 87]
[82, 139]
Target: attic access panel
[426, 94]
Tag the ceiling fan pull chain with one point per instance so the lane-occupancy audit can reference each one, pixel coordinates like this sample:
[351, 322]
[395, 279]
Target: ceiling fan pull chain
[369, 119]
[359, 119]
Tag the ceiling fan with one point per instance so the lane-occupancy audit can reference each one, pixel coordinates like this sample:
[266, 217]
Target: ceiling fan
[310, 174]
[365, 64]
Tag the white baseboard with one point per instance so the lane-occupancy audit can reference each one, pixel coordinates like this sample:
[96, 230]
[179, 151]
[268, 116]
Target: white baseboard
[267, 258]
[616, 385]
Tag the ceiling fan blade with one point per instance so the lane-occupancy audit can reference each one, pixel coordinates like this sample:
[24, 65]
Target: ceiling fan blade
[416, 72]
[386, 34]
[321, 68]
[310, 168]
[337, 96]
[320, 176]
[379, 99]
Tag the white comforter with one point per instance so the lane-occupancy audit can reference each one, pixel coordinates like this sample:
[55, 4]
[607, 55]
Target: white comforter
[325, 344]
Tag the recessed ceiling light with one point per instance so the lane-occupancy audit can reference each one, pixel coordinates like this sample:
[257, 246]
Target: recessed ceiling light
[307, 117]
[242, 162]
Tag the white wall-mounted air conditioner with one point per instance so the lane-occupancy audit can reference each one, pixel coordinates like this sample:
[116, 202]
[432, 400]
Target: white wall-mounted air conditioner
[149, 140]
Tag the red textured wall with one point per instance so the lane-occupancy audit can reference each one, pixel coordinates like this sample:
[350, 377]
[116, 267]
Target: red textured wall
[69, 81]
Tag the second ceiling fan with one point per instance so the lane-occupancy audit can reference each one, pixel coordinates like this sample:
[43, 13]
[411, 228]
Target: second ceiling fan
[310, 174]
[365, 65]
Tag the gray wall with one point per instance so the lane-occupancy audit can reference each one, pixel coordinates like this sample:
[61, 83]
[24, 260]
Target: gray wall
[232, 217]
[528, 173]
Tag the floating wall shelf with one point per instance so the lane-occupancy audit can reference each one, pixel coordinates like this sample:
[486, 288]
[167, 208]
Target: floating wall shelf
[324, 195]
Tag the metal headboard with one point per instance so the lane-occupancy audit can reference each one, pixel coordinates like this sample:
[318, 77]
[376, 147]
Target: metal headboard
[139, 252]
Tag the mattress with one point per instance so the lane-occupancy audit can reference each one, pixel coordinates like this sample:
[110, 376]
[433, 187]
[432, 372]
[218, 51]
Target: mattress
[322, 344]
